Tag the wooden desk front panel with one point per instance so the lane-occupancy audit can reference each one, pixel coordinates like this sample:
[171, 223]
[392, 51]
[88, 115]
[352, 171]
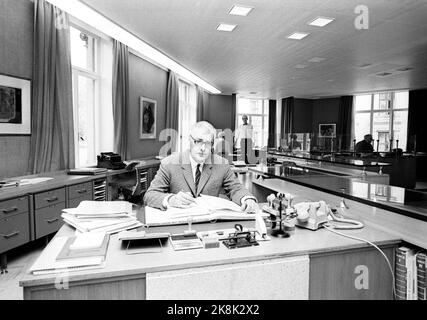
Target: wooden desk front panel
[352, 275]
[123, 288]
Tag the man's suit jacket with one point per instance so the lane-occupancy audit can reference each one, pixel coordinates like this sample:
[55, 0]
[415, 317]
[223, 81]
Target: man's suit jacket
[175, 175]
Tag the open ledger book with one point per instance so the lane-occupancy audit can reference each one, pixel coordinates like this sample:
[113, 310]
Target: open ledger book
[207, 208]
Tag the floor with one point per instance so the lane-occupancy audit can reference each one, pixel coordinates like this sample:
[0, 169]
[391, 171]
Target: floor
[19, 260]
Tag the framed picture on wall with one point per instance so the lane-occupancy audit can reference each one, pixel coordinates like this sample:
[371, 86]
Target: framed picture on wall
[15, 106]
[327, 130]
[147, 118]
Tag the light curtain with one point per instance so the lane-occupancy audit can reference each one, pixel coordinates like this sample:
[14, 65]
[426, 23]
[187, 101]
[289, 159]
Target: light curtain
[120, 97]
[52, 140]
[200, 104]
[172, 107]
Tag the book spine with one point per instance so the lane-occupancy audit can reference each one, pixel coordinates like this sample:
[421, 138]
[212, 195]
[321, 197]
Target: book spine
[401, 274]
[421, 275]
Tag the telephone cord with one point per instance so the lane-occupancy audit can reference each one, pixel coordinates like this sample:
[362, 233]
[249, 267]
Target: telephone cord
[376, 247]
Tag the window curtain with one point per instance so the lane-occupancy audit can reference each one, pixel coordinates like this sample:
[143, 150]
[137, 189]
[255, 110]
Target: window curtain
[172, 107]
[52, 140]
[233, 111]
[417, 114]
[120, 97]
[345, 116]
[287, 115]
[272, 123]
[200, 104]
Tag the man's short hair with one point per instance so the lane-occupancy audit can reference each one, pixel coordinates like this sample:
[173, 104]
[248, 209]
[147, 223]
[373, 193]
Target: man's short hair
[204, 126]
[367, 136]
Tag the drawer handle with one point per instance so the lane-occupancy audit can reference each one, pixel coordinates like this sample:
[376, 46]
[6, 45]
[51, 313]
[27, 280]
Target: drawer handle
[81, 191]
[11, 235]
[53, 199]
[52, 220]
[6, 211]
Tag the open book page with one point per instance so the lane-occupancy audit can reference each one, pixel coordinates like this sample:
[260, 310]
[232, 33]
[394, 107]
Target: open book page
[207, 208]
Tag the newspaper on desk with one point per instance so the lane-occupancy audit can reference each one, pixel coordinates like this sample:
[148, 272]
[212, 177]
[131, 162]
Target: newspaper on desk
[207, 208]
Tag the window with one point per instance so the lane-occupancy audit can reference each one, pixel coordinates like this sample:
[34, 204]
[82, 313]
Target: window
[187, 113]
[91, 61]
[385, 116]
[257, 112]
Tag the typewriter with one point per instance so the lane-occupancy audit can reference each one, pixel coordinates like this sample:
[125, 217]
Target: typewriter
[110, 160]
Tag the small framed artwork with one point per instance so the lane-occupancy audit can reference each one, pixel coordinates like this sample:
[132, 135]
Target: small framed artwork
[327, 130]
[15, 106]
[147, 118]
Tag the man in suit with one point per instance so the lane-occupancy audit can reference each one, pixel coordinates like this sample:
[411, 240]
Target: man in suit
[184, 176]
[244, 137]
[365, 146]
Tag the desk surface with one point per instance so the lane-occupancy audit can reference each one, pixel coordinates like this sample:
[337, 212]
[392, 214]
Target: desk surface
[61, 179]
[303, 242]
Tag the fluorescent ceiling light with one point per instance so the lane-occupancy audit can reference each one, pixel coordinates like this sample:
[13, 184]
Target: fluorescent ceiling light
[101, 23]
[321, 21]
[239, 10]
[300, 66]
[316, 59]
[226, 27]
[298, 35]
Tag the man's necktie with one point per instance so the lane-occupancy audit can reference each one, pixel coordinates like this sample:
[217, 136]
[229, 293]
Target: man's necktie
[198, 174]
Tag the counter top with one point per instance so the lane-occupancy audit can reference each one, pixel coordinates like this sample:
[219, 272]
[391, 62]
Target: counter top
[404, 201]
[301, 243]
[331, 159]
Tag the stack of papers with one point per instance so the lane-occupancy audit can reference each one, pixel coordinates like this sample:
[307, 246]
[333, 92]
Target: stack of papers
[47, 262]
[207, 208]
[101, 216]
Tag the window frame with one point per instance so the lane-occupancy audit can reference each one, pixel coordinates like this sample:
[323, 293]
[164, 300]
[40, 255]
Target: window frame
[263, 115]
[372, 111]
[96, 77]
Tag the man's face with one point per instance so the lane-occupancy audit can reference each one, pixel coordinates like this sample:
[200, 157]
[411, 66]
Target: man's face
[245, 120]
[369, 139]
[200, 145]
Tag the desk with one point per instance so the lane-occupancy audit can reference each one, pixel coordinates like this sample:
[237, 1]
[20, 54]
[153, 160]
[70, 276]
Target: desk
[31, 212]
[308, 265]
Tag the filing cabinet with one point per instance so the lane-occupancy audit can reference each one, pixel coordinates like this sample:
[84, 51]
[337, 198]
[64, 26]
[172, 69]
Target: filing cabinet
[47, 211]
[14, 223]
[78, 193]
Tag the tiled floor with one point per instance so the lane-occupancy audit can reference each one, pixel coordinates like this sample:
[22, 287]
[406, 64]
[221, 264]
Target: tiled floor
[19, 260]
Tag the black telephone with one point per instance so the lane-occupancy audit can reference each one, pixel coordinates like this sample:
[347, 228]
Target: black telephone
[110, 160]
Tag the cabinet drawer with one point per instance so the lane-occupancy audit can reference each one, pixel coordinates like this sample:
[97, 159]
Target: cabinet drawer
[13, 206]
[74, 203]
[80, 190]
[48, 220]
[49, 198]
[14, 231]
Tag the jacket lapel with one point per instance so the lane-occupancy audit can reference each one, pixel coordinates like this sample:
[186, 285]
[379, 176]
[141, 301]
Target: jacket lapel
[206, 174]
[187, 173]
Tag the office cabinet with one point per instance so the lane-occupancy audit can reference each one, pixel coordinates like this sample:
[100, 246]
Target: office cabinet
[78, 193]
[48, 206]
[354, 274]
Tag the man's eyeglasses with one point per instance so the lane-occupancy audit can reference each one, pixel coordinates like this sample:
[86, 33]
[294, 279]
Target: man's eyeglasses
[200, 142]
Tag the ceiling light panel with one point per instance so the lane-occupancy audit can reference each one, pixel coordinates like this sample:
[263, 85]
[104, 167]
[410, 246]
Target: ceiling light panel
[321, 21]
[298, 35]
[317, 59]
[226, 27]
[238, 10]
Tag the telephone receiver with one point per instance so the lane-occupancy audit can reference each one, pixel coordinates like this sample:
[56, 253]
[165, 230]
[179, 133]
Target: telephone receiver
[314, 215]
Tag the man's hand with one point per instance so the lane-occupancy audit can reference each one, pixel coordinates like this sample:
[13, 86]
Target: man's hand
[181, 200]
[250, 206]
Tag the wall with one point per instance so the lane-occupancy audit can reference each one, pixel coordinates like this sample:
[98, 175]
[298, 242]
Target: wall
[303, 115]
[148, 80]
[16, 59]
[325, 111]
[219, 111]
